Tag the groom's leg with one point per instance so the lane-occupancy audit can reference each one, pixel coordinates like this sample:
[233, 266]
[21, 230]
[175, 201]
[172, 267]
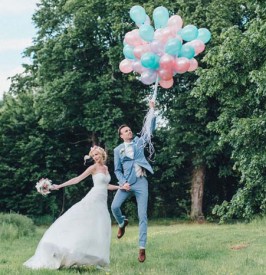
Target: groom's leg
[141, 193]
[120, 197]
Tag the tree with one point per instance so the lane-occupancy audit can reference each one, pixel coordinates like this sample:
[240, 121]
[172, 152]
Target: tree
[78, 96]
[73, 96]
[236, 79]
[191, 142]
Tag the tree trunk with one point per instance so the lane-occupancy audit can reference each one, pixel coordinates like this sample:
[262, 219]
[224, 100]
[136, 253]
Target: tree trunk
[198, 178]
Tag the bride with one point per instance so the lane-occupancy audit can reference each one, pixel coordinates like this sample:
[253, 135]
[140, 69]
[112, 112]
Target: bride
[82, 235]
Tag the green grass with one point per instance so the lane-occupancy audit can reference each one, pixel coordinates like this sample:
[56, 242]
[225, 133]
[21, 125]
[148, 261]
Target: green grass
[173, 248]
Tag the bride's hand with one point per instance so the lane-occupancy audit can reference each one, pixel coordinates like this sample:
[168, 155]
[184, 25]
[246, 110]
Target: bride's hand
[125, 187]
[55, 187]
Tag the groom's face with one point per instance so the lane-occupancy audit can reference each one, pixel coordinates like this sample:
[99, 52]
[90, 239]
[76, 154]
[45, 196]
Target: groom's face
[126, 134]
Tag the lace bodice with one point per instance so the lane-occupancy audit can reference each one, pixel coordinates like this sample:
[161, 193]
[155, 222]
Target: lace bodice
[101, 180]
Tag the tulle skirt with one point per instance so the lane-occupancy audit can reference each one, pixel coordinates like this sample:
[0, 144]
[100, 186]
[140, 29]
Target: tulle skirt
[80, 237]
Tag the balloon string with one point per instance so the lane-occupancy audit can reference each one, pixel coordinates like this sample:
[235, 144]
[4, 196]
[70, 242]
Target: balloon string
[155, 89]
[146, 132]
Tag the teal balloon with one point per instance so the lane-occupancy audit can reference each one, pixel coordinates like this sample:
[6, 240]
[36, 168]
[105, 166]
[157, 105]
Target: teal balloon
[128, 52]
[146, 32]
[173, 46]
[137, 14]
[189, 32]
[160, 17]
[204, 35]
[187, 51]
[150, 60]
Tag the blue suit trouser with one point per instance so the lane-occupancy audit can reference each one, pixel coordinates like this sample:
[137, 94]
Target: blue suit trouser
[140, 190]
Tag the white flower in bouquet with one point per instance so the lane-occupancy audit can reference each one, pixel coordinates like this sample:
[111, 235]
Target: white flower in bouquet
[43, 186]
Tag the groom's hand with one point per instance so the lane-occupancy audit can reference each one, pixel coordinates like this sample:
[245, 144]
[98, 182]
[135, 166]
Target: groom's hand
[152, 104]
[126, 187]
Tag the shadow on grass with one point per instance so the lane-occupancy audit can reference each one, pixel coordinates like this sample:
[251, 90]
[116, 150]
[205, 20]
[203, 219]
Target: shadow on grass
[85, 270]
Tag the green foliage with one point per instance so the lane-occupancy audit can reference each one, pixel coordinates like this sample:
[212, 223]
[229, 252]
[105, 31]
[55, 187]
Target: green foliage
[22, 155]
[71, 98]
[74, 96]
[235, 79]
[187, 141]
[13, 226]
[43, 220]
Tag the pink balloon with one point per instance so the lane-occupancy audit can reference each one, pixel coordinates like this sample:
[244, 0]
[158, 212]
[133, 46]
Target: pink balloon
[198, 46]
[132, 38]
[167, 61]
[157, 34]
[157, 47]
[166, 34]
[172, 30]
[193, 65]
[137, 67]
[139, 50]
[176, 21]
[125, 66]
[163, 34]
[181, 65]
[165, 74]
[148, 77]
[166, 83]
[129, 38]
[146, 48]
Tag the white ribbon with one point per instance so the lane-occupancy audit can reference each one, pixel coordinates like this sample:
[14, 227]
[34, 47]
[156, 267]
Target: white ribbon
[146, 133]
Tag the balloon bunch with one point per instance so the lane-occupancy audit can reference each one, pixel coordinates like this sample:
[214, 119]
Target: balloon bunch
[161, 52]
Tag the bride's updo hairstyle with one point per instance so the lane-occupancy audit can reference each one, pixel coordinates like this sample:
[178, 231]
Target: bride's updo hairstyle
[100, 150]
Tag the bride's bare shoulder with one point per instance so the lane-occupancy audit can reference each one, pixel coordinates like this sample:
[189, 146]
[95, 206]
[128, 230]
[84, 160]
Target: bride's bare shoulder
[91, 169]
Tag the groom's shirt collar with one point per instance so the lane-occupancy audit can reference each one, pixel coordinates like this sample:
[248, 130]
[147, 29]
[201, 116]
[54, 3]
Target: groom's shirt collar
[128, 143]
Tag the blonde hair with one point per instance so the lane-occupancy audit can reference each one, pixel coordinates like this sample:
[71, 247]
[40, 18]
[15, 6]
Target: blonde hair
[100, 150]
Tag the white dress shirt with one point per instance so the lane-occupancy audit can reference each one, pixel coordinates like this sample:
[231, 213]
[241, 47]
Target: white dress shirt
[129, 150]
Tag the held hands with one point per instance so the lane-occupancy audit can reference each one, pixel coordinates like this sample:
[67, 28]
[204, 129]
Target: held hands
[125, 187]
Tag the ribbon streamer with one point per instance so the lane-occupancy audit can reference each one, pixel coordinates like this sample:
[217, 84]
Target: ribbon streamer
[146, 131]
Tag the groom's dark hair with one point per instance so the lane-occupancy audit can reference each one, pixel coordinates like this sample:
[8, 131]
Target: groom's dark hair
[121, 127]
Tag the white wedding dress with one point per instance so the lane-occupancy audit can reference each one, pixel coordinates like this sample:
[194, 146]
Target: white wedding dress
[81, 236]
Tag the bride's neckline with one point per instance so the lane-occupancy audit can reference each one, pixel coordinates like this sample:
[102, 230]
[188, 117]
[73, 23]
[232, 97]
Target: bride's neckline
[106, 174]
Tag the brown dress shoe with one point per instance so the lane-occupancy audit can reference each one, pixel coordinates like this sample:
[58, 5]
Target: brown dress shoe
[121, 230]
[142, 255]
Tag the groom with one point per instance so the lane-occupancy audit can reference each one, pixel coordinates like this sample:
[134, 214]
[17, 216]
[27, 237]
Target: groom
[130, 166]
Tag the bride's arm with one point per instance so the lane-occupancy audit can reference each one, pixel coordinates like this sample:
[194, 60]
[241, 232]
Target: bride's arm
[75, 180]
[112, 187]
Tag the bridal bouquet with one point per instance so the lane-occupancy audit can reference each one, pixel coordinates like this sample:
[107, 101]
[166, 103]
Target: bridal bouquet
[43, 186]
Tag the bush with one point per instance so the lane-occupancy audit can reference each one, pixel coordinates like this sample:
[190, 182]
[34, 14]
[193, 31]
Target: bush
[43, 220]
[14, 226]
[130, 210]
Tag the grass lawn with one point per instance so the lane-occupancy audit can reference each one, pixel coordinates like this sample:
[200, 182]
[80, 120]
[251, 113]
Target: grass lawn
[173, 248]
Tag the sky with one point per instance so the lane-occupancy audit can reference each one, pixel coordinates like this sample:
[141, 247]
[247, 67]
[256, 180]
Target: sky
[16, 33]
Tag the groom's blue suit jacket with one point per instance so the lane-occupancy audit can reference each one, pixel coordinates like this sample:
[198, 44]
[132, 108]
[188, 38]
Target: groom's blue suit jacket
[124, 166]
